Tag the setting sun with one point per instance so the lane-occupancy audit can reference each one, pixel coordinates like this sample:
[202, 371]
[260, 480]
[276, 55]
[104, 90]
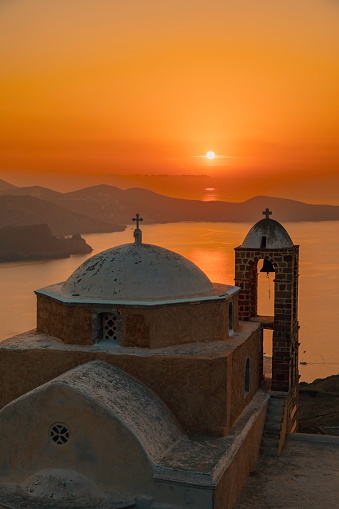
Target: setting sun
[130, 90]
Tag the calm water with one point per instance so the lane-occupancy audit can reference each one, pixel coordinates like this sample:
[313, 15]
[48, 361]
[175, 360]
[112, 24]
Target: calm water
[210, 246]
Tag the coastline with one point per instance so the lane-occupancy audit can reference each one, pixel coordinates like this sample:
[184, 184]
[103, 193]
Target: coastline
[36, 242]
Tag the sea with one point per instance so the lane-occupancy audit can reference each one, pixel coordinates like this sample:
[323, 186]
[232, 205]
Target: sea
[211, 247]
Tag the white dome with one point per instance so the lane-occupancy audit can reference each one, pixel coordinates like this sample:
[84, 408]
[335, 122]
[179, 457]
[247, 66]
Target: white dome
[136, 272]
[268, 234]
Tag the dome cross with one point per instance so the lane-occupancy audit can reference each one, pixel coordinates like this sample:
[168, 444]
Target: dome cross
[137, 232]
[267, 213]
[137, 218]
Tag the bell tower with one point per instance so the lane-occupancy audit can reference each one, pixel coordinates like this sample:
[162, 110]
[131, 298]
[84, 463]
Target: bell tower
[268, 240]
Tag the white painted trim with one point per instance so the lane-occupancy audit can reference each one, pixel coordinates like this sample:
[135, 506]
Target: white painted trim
[140, 303]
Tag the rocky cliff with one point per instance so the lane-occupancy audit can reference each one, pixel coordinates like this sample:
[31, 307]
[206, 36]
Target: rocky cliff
[319, 406]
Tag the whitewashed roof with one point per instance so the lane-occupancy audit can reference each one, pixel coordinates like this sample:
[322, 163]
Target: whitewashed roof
[276, 236]
[136, 272]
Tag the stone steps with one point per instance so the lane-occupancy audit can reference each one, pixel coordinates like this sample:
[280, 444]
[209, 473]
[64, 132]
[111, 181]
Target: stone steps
[272, 425]
[272, 429]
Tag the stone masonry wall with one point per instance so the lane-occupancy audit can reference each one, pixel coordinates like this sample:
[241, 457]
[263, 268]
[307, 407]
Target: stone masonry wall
[285, 373]
[142, 327]
[71, 324]
[196, 388]
[173, 325]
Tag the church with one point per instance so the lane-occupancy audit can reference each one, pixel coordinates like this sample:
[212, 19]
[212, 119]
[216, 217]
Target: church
[142, 385]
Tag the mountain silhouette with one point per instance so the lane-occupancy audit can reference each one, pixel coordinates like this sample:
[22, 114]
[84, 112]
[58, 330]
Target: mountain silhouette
[5, 185]
[103, 208]
[28, 210]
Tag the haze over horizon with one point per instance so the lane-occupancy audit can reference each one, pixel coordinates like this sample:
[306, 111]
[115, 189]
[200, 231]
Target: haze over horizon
[189, 187]
[109, 92]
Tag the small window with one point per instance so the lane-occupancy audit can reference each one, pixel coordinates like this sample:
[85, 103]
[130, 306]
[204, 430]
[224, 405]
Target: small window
[111, 326]
[230, 317]
[247, 377]
[263, 241]
[59, 433]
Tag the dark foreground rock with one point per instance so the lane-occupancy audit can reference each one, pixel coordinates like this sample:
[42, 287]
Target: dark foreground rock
[36, 242]
[319, 406]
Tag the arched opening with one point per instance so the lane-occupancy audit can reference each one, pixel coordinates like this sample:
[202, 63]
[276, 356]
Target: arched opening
[254, 288]
[230, 316]
[265, 289]
[295, 290]
[267, 352]
[247, 377]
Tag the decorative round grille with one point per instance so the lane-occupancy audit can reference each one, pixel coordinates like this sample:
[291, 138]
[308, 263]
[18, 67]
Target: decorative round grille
[59, 433]
[110, 326]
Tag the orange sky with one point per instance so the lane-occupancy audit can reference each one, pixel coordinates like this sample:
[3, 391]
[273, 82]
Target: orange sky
[127, 86]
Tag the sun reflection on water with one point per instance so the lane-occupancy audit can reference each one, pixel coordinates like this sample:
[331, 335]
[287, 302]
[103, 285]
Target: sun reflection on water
[211, 247]
[216, 263]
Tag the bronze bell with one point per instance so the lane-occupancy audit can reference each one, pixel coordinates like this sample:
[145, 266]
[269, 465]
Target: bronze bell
[267, 267]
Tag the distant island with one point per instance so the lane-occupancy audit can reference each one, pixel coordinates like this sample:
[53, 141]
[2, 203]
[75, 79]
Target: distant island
[36, 242]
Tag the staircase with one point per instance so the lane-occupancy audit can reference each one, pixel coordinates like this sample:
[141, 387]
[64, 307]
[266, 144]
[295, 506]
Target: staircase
[274, 429]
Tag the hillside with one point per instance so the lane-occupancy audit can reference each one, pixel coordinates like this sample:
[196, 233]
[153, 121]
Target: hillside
[28, 210]
[5, 185]
[119, 206]
[37, 191]
[36, 242]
